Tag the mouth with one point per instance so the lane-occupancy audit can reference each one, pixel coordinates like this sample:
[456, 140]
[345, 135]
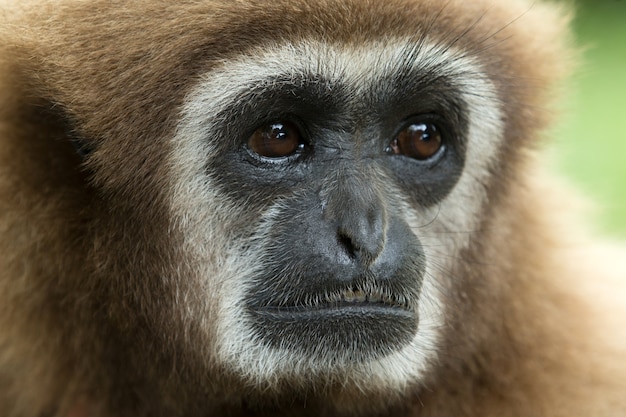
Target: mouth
[363, 323]
[364, 319]
[354, 298]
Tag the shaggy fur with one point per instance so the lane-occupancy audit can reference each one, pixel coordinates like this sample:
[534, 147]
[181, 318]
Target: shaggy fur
[102, 312]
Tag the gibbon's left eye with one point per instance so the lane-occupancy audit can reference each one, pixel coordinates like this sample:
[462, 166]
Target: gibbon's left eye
[276, 140]
[419, 141]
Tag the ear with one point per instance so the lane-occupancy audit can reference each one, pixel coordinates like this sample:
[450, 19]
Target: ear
[40, 145]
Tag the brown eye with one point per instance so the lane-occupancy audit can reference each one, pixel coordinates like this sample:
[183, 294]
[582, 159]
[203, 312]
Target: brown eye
[276, 140]
[418, 140]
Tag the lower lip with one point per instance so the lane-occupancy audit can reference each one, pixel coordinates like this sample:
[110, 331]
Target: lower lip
[362, 331]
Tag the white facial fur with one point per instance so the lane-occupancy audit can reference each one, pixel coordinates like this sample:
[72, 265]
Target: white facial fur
[443, 229]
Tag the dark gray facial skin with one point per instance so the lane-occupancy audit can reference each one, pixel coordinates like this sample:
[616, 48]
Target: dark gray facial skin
[343, 270]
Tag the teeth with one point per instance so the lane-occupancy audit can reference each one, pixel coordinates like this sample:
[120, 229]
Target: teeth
[360, 296]
[363, 296]
[354, 296]
[375, 298]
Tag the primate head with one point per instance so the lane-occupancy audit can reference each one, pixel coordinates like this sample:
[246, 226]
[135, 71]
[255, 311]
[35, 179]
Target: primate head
[338, 175]
[263, 197]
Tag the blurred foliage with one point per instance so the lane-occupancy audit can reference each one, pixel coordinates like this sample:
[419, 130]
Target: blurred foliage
[591, 140]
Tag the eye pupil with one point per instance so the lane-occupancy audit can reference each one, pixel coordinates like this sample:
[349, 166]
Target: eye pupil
[275, 140]
[418, 141]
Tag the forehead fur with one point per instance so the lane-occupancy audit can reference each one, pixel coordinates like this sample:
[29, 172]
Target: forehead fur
[127, 69]
[116, 59]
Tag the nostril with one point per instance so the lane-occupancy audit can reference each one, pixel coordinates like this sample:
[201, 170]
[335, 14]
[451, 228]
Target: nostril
[360, 244]
[347, 243]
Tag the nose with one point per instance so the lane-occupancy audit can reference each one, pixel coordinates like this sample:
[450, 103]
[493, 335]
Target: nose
[361, 224]
[355, 208]
[368, 235]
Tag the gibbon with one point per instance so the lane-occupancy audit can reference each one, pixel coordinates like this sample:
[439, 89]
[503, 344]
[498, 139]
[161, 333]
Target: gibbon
[295, 208]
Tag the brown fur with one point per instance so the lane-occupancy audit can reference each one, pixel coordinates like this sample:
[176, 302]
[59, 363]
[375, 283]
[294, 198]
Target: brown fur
[88, 321]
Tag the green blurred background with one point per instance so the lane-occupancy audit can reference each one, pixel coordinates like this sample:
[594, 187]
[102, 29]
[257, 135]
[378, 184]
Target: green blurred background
[590, 146]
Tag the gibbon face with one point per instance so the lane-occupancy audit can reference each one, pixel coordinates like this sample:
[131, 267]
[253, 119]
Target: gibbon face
[289, 196]
[349, 164]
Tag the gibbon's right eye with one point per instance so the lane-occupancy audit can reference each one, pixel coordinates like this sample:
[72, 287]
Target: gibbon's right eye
[276, 140]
